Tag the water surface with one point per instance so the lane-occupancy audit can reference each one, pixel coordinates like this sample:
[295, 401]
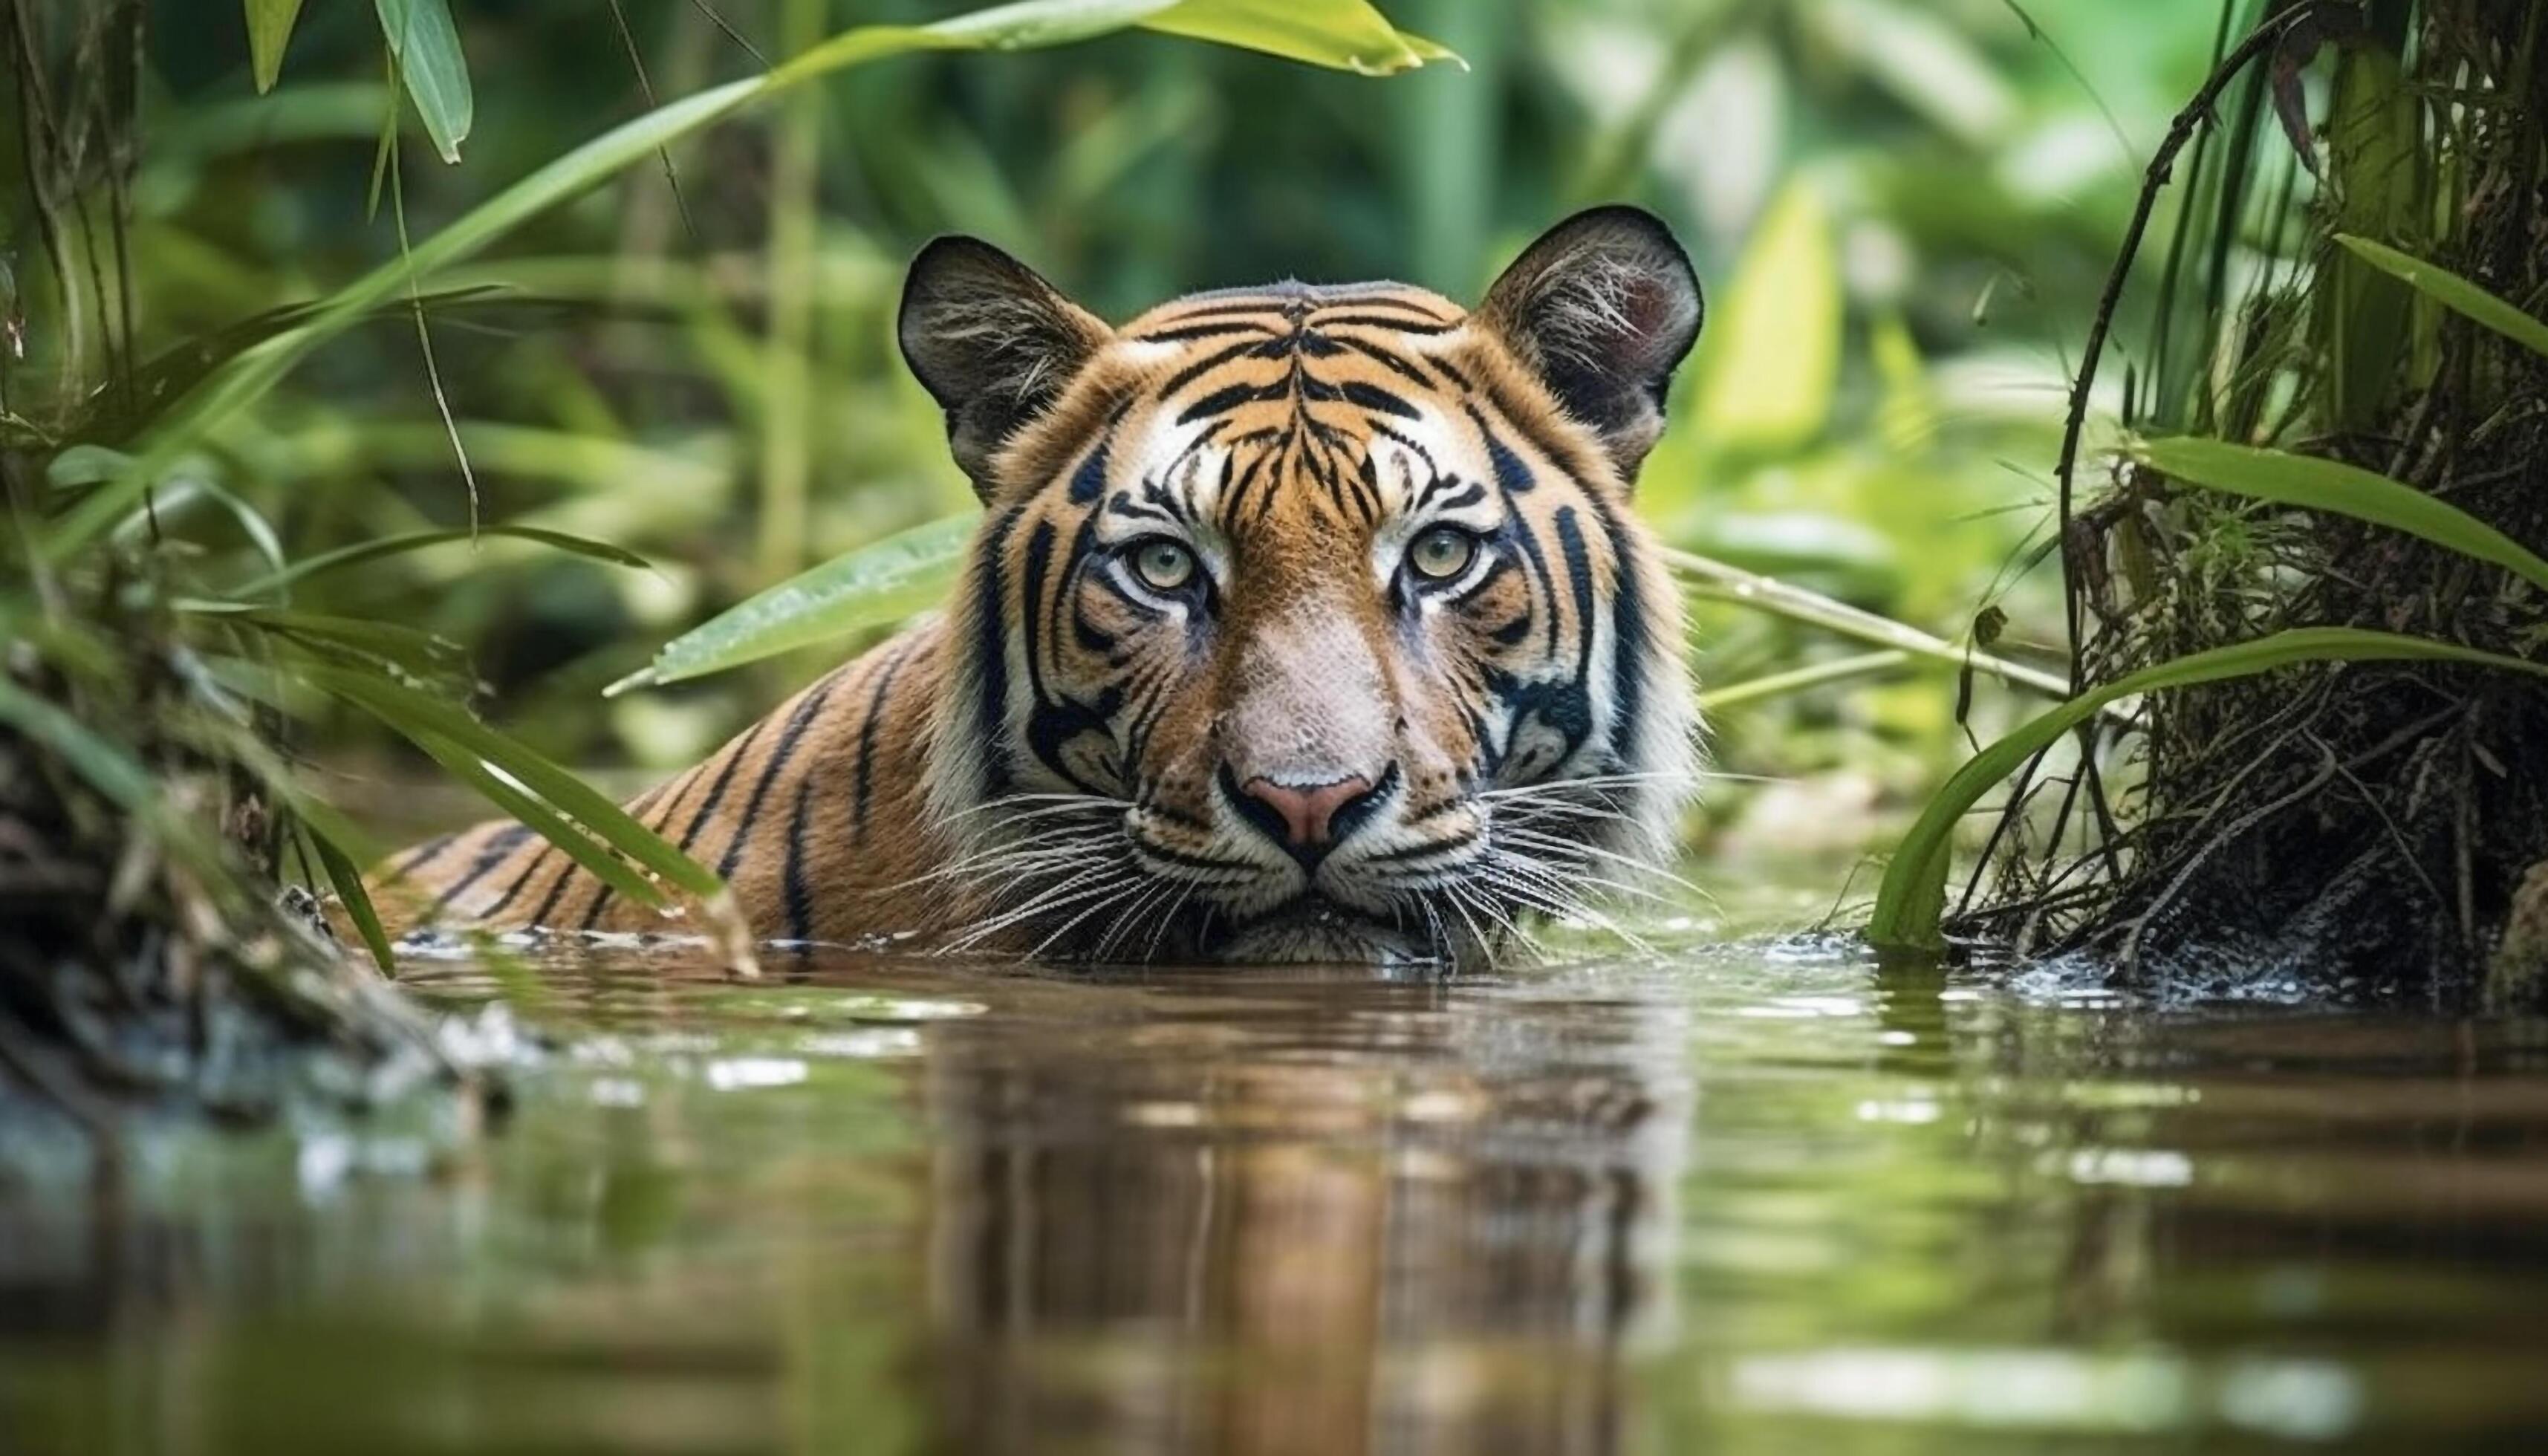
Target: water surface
[1734, 1197]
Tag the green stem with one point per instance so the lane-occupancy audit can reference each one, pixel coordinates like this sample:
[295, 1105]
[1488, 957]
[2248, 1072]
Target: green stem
[1723, 583]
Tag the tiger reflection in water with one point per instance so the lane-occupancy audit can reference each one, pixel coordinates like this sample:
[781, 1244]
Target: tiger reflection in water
[1307, 1217]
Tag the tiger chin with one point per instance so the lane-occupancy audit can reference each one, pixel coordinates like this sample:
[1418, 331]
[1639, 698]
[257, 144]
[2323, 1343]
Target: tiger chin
[1304, 623]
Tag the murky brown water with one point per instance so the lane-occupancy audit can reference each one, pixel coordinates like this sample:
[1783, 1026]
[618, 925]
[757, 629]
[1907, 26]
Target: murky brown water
[1737, 1197]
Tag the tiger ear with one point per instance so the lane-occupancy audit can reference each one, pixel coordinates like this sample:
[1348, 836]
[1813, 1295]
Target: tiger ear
[1602, 308]
[991, 342]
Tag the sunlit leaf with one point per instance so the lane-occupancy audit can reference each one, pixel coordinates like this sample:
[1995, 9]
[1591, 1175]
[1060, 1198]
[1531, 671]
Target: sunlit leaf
[1346, 34]
[426, 46]
[2346, 489]
[881, 583]
[1911, 904]
[447, 732]
[370, 551]
[541, 818]
[1770, 359]
[2451, 291]
[269, 30]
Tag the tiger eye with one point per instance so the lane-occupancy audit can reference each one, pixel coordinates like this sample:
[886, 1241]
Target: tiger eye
[1442, 553]
[1164, 566]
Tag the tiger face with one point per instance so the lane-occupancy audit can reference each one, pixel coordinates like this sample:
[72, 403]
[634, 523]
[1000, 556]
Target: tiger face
[1308, 623]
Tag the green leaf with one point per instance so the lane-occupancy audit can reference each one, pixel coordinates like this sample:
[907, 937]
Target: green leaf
[1911, 904]
[453, 736]
[1770, 363]
[883, 582]
[426, 47]
[368, 551]
[2328, 485]
[2451, 291]
[542, 819]
[115, 416]
[413, 649]
[357, 899]
[2377, 163]
[269, 30]
[1349, 35]
[249, 379]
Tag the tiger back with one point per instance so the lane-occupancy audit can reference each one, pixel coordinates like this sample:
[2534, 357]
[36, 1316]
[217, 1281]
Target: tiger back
[1302, 624]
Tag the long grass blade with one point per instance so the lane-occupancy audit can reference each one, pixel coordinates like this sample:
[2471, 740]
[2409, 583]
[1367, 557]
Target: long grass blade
[365, 552]
[2451, 291]
[420, 716]
[2328, 485]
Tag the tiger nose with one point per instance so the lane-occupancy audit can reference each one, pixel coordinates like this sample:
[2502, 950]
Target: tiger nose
[1307, 819]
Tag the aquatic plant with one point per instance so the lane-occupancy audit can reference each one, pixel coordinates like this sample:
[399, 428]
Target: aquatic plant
[2322, 563]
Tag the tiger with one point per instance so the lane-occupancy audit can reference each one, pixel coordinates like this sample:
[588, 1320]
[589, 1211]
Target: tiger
[1304, 623]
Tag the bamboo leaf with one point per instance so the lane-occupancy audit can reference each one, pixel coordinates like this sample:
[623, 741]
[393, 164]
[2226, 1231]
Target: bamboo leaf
[1911, 905]
[1349, 35]
[427, 49]
[2328, 485]
[2451, 291]
[881, 583]
[1034, 23]
[347, 881]
[439, 728]
[269, 30]
[385, 546]
[542, 819]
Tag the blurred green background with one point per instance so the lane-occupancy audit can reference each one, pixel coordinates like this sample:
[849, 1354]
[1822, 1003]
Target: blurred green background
[1902, 211]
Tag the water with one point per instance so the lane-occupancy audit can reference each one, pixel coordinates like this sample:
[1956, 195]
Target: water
[1746, 1197]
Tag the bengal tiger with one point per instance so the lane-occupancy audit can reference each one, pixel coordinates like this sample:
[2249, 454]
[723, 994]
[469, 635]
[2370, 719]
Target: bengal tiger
[1304, 623]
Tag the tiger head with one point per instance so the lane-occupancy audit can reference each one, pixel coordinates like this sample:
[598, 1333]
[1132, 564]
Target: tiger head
[1309, 622]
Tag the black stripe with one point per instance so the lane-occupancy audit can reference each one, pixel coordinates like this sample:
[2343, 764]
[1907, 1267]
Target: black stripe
[1182, 334]
[1372, 397]
[539, 918]
[1222, 401]
[499, 845]
[867, 739]
[991, 655]
[672, 806]
[1579, 567]
[1324, 320]
[1205, 365]
[505, 900]
[1387, 359]
[1088, 481]
[425, 853]
[725, 776]
[798, 722]
[801, 902]
[1631, 637]
[1512, 475]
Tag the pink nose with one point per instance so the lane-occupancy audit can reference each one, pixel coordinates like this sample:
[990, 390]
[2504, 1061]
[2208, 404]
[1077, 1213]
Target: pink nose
[1308, 813]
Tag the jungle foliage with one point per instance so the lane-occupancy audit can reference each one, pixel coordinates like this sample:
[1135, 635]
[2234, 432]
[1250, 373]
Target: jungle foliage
[2316, 566]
